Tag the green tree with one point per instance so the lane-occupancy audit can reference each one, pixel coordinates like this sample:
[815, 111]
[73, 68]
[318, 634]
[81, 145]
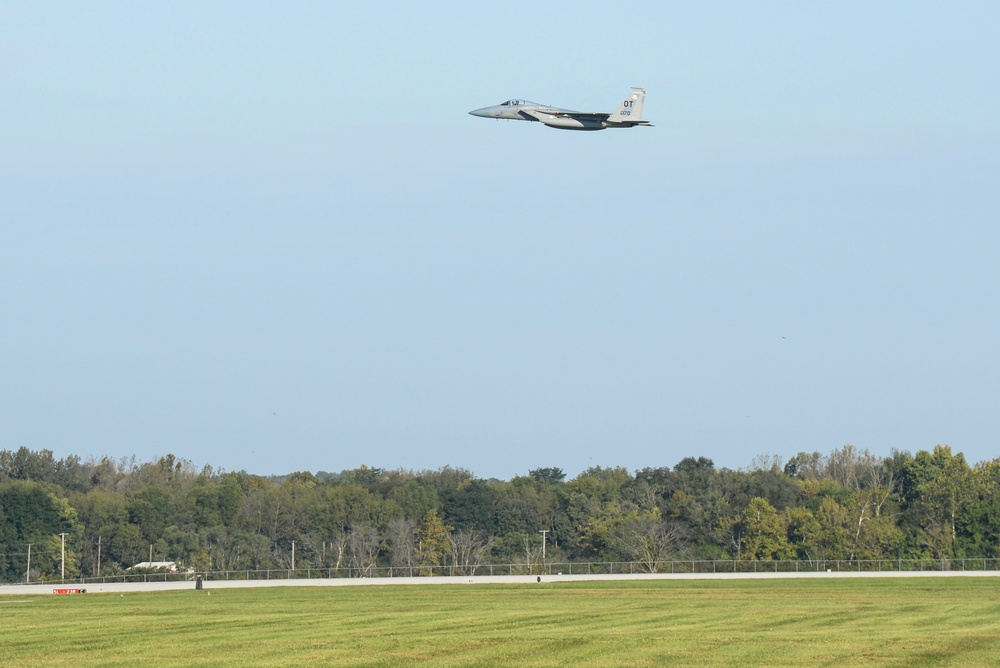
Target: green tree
[832, 539]
[600, 534]
[879, 538]
[939, 486]
[98, 511]
[550, 474]
[26, 465]
[801, 527]
[30, 513]
[152, 510]
[414, 499]
[761, 532]
[432, 542]
[470, 506]
[979, 524]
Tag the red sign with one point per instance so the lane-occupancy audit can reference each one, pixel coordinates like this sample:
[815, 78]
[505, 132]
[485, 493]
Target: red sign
[69, 591]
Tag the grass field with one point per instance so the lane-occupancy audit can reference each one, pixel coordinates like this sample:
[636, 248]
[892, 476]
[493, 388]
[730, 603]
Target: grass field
[866, 622]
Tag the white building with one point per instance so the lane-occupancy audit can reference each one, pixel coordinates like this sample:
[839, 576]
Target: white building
[169, 566]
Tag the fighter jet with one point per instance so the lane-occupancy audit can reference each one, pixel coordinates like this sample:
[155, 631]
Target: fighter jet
[628, 114]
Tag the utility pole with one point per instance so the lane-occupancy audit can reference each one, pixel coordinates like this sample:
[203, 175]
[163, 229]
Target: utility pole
[98, 556]
[544, 533]
[150, 555]
[293, 555]
[63, 571]
[27, 573]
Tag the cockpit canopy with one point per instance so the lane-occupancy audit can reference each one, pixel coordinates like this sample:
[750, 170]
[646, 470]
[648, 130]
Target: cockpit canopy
[515, 103]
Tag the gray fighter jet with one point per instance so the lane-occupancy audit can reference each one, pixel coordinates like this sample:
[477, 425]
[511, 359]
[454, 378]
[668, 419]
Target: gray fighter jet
[628, 114]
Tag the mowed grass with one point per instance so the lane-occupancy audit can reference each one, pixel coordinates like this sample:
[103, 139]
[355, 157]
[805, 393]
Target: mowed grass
[866, 622]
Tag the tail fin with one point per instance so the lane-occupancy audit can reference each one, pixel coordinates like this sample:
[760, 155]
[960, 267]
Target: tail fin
[629, 112]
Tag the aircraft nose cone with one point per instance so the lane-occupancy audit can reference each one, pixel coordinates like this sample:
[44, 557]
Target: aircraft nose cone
[482, 113]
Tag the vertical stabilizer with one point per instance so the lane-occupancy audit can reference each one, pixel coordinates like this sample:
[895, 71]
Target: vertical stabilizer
[629, 112]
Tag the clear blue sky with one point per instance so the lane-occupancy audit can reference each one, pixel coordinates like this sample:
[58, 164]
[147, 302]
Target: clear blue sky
[268, 236]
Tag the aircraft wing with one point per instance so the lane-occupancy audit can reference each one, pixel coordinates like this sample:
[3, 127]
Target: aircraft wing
[541, 115]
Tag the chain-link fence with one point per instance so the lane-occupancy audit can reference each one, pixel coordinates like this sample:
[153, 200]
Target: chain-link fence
[564, 568]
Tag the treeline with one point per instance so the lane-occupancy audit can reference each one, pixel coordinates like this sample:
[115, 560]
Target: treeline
[848, 504]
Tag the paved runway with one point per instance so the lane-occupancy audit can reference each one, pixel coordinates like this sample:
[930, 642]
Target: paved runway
[132, 587]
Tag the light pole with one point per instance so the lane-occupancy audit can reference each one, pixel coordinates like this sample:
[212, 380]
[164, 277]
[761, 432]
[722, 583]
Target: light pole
[63, 571]
[293, 555]
[544, 533]
[27, 573]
